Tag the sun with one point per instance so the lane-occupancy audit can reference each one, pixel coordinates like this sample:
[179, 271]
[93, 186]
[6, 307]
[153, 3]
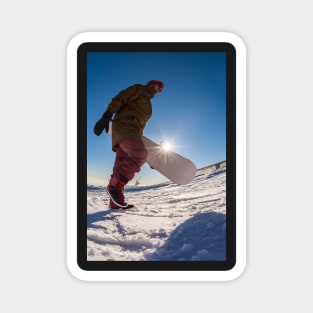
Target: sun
[166, 145]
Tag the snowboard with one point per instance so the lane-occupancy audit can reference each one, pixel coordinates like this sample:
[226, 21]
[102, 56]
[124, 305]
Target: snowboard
[173, 166]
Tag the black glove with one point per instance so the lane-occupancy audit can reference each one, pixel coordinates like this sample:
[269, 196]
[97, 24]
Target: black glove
[103, 123]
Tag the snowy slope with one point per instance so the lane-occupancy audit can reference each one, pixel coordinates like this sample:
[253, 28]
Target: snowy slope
[169, 222]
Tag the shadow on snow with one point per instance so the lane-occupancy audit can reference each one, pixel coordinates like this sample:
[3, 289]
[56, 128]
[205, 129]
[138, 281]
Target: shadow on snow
[201, 238]
[98, 217]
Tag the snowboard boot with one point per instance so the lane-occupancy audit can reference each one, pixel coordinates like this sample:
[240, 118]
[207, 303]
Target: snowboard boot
[115, 190]
[113, 206]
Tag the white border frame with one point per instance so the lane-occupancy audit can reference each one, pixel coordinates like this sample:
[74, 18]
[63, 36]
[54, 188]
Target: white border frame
[239, 267]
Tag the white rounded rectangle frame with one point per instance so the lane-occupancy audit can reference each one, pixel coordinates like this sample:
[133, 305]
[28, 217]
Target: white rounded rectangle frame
[158, 275]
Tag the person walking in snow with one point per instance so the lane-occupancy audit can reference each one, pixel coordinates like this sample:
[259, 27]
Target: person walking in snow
[132, 109]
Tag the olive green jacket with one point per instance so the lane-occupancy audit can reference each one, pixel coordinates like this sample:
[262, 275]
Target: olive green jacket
[132, 108]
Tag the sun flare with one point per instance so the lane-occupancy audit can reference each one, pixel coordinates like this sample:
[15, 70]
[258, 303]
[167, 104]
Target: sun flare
[166, 146]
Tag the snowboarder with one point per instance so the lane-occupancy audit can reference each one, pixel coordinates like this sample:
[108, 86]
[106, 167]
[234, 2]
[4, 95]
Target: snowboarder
[132, 109]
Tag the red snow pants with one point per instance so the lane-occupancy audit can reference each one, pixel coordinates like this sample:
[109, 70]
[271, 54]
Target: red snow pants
[131, 154]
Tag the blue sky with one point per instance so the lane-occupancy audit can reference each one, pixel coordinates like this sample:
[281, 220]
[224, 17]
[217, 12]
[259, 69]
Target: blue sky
[190, 112]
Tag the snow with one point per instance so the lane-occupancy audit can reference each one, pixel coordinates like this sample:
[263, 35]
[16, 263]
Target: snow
[168, 222]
